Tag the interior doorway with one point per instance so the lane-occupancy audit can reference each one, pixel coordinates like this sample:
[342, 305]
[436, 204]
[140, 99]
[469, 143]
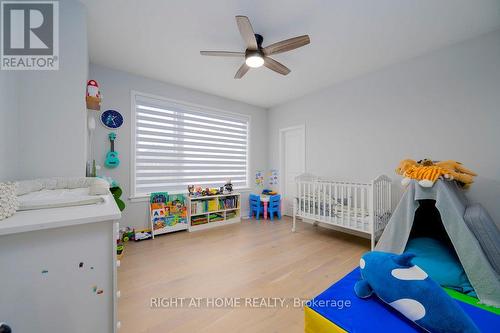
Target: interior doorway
[292, 144]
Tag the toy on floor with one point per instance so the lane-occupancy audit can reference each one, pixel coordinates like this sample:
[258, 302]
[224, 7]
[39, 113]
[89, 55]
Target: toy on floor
[426, 172]
[409, 290]
[119, 248]
[143, 234]
[127, 234]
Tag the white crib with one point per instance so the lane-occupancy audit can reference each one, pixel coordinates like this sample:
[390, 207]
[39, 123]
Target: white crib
[363, 207]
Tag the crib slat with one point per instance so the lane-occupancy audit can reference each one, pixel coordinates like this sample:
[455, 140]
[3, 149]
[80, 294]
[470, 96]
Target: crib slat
[315, 199]
[309, 198]
[356, 220]
[330, 203]
[303, 193]
[349, 205]
[363, 189]
[342, 204]
[304, 198]
[300, 194]
[325, 200]
[316, 192]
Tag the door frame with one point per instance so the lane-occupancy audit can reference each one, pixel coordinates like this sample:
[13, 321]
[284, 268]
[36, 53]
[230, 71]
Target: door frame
[281, 140]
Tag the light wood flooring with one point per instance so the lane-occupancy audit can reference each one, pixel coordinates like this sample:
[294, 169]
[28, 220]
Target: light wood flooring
[248, 259]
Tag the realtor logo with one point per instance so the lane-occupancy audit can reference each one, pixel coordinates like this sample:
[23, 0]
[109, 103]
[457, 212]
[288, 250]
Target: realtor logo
[29, 35]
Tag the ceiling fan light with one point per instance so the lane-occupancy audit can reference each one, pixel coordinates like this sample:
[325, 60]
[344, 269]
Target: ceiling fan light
[254, 61]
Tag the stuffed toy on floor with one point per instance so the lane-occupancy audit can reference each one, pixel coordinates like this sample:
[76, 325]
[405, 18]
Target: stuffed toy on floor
[426, 172]
[409, 290]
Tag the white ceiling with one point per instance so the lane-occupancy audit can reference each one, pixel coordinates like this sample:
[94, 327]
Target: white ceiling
[162, 39]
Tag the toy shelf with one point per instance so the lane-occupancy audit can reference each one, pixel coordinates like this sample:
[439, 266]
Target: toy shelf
[207, 218]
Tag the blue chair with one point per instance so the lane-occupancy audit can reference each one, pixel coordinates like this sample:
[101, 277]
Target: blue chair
[274, 206]
[256, 206]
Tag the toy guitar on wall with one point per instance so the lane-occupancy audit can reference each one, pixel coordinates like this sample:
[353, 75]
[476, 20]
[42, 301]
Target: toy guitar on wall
[112, 160]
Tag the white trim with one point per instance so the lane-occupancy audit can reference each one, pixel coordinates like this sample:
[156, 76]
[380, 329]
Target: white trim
[189, 107]
[133, 119]
[282, 131]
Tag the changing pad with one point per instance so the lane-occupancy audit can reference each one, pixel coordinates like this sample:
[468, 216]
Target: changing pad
[58, 198]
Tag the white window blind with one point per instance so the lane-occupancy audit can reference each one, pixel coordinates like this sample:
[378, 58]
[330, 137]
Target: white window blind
[177, 145]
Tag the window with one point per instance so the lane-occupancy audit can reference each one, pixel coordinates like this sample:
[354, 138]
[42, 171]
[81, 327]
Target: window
[175, 145]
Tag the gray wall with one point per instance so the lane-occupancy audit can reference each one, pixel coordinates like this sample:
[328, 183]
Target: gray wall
[8, 125]
[49, 137]
[444, 105]
[116, 87]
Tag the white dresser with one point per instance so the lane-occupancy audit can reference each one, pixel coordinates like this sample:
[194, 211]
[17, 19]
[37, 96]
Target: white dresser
[58, 269]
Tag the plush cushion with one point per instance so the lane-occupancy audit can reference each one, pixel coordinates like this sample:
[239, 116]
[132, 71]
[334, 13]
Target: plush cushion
[99, 186]
[8, 200]
[28, 186]
[57, 198]
[486, 231]
[441, 263]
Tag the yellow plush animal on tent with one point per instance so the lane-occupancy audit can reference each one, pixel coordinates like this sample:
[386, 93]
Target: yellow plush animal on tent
[457, 171]
[427, 172]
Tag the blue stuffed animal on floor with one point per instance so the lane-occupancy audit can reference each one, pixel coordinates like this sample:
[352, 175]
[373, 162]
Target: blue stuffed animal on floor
[409, 290]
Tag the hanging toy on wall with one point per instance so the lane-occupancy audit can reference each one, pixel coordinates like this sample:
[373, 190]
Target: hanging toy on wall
[112, 119]
[93, 96]
[112, 160]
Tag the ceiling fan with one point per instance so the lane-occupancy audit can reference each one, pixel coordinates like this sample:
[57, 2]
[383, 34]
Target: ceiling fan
[255, 54]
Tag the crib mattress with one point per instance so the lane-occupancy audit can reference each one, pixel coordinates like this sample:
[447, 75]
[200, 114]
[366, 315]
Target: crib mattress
[58, 198]
[372, 315]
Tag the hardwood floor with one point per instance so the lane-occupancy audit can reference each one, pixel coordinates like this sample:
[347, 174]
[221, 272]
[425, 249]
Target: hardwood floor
[245, 260]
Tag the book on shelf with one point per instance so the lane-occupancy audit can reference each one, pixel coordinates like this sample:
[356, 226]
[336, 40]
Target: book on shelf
[231, 216]
[198, 207]
[199, 220]
[214, 204]
[229, 202]
[216, 217]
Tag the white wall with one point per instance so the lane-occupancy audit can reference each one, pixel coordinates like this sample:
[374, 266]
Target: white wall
[8, 125]
[51, 109]
[116, 87]
[444, 105]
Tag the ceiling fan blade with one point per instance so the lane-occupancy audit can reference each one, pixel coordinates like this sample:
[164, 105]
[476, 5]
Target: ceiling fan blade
[287, 45]
[241, 71]
[222, 53]
[276, 66]
[246, 32]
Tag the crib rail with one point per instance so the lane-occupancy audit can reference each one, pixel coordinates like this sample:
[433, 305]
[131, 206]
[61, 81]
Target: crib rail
[364, 207]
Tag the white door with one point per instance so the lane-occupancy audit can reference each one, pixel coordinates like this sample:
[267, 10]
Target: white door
[292, 162]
